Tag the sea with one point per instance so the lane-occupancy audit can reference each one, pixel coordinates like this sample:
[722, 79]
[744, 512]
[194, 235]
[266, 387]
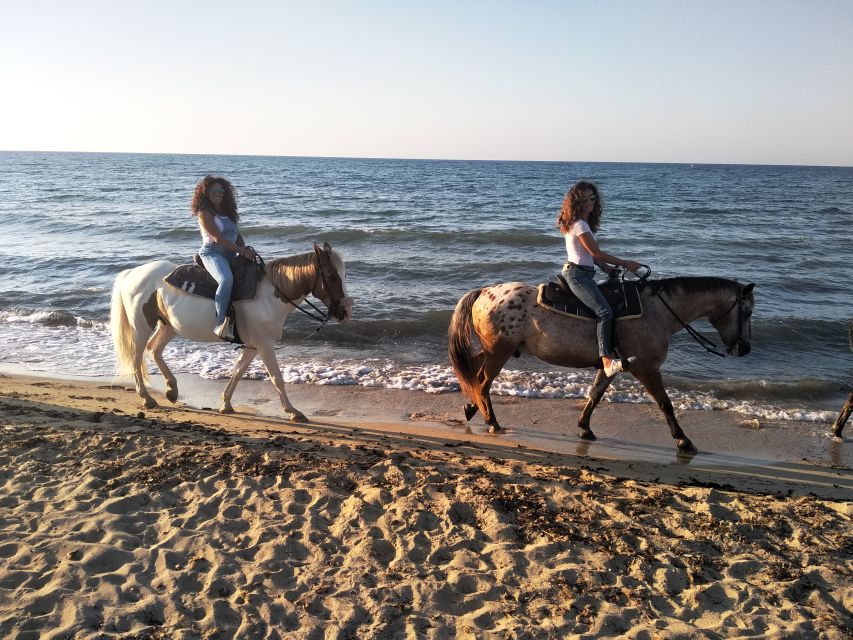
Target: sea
[416, 235]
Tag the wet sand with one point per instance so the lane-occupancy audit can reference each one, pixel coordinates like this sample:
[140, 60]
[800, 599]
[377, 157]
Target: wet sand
[781, 456]
[386, 516]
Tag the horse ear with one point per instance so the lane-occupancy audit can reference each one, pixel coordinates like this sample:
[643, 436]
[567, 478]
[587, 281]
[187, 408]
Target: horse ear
[316, 249]
[748, 288]
[327, 247]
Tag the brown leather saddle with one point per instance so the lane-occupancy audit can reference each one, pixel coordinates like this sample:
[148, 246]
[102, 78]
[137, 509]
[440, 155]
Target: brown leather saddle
[624, 298]
[195, 280]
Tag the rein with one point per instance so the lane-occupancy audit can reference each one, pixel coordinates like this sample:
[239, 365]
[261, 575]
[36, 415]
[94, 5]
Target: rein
[321, 316]
[318, 314]
[709, 345]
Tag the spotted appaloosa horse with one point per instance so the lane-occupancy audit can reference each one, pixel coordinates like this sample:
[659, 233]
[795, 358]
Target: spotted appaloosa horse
[147, 313]
[508, 321]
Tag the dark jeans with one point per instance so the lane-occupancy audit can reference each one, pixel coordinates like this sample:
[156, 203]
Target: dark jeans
[583, 285]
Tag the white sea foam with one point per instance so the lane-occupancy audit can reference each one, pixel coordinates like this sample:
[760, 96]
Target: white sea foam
[49, 318]
[87, 350]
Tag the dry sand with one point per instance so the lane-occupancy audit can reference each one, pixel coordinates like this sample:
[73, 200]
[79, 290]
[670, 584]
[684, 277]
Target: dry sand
[397, 523]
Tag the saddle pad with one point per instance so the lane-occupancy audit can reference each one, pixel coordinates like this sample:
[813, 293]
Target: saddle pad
[195, 280]
[624, 299]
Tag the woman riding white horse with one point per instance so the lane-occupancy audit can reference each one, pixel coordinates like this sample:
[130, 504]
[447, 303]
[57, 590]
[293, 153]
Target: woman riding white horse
[147, 313]
[215, 204]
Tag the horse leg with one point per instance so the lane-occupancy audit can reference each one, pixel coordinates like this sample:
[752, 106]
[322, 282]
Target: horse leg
[596, 392]
[472, 408]
[838, 427]
[246, 356]
[268, 357]
[138, 365]
[491, 367]
[653, 383]
[156, 343]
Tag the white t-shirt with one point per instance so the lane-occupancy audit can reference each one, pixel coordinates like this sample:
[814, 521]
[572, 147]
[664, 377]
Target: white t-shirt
[574, 248]
[227, 229]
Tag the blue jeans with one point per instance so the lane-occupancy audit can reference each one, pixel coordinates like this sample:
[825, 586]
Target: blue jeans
[583, 285]
[219, 266]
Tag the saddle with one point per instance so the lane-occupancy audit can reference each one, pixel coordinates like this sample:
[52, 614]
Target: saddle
[624, 298]
[195, 280]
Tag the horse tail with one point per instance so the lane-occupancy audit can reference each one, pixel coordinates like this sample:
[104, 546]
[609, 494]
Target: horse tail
[459, 346]
[122, 332]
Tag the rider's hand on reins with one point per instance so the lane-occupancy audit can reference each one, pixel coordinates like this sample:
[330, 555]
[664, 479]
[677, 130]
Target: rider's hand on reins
[632, 266]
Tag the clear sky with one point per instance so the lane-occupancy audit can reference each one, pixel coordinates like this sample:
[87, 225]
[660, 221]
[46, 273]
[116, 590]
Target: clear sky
[728, 81]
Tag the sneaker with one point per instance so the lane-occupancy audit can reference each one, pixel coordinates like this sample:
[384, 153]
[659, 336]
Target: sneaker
[614, 367]
[224, 330]
[617, 365]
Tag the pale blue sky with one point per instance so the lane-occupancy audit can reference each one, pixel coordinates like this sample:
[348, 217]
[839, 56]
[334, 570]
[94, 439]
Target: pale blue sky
[744, 81]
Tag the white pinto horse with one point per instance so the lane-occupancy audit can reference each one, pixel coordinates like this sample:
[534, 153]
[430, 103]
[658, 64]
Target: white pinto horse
[147, 313]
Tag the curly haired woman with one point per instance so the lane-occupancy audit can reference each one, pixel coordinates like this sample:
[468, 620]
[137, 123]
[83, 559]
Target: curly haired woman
[214, 203]
[579, 219]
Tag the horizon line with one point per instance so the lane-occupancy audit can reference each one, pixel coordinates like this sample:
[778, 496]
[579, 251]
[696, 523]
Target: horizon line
[420, 159]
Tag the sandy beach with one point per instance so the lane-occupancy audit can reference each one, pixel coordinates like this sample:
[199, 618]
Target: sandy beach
[387, 517]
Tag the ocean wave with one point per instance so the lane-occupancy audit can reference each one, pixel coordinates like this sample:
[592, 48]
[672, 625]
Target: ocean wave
[438, 238]
[383, 213]
[249, 231]
[712, 211]
[797, 332]
[57, 198]
[425, 327]
[178, 233]
[49, 318]
[771, 390]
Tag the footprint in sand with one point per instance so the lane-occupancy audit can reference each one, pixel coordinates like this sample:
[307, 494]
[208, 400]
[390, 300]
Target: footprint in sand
[326, 412]
[105, 560]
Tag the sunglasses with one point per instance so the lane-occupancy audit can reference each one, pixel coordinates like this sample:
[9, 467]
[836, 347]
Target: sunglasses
[588, 199]
[213, 192]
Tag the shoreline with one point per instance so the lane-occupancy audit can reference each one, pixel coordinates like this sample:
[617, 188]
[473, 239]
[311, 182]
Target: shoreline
[632, 439]
[380, 521]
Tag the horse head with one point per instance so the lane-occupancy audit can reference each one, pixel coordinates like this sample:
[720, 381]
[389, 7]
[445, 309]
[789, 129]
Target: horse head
[734, 322]
[331, 286]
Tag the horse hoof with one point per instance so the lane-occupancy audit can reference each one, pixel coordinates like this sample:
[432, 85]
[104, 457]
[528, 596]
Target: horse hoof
[470, 411]
[172, 395]
[685, 446]
[495, 429]
[298, 416]
[226, 409]
[150, 403]
[586, 434]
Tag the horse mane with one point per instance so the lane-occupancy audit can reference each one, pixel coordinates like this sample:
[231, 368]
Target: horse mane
[691, 284]
[286, 273]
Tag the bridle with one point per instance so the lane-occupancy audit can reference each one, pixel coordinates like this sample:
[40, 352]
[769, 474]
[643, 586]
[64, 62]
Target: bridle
[739, 304]
[709, 345]
[317, 314]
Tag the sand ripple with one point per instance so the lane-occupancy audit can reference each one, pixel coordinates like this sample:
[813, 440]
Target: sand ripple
[115, 527]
